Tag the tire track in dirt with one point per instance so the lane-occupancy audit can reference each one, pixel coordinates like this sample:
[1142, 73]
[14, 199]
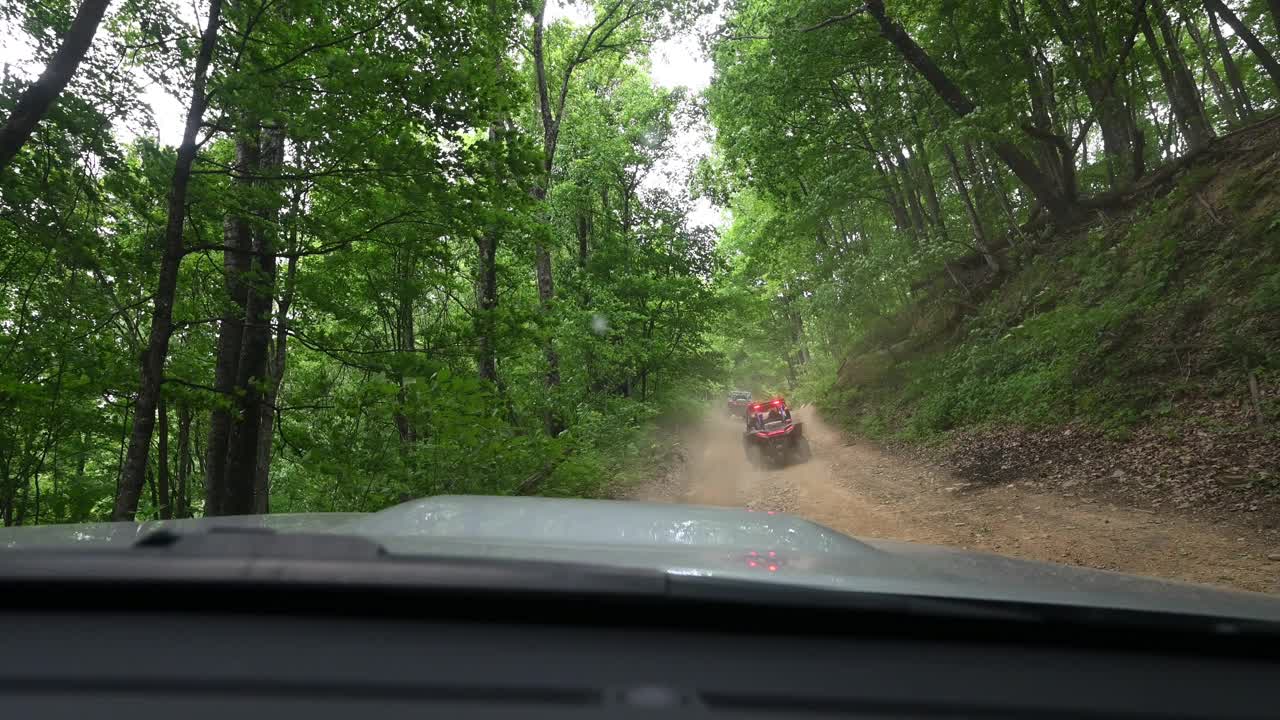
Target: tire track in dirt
[854, 488]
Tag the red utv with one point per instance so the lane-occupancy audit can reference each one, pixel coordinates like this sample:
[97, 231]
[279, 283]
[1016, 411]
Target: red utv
[772, 437]
[739, 401]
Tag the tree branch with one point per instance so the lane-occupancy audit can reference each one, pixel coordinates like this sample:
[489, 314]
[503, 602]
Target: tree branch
[382, 21]
[836, 19]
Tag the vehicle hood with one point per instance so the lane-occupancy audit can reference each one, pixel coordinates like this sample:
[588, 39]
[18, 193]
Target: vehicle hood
[736, 544]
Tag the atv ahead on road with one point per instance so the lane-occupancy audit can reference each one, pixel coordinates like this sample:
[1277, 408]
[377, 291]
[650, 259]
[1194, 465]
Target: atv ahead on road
[739, 403]
[772, 438]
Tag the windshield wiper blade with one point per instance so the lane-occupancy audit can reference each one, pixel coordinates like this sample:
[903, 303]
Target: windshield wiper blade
[262, 543]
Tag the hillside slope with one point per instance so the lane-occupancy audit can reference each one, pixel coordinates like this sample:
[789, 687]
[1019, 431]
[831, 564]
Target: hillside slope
[1135, 355]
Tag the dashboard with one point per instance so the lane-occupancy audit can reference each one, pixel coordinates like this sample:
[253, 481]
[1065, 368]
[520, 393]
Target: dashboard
[193, 652]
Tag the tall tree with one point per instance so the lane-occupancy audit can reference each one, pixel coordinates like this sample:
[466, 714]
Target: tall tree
[36, 99]
[252, 373]
[1260, 50]
[164, 507]
[182, 506]
[617, 27]
[132, 474]
[275, 375]
[1088, 54]
[1041, 185]
[385, 309]
[1180, 86]
[486, 272]
[1229, 64]
[1226, 103]
[237, 259]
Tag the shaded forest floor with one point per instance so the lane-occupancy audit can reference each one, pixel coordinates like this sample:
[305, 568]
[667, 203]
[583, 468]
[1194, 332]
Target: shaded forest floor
[1132, 360]
[859, 489]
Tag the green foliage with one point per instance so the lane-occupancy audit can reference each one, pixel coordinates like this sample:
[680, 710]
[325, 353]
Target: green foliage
[887, 249]
[878, 233]
[412, 134]
[1106, 332]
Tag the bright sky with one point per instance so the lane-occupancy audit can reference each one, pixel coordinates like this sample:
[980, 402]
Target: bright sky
[675, 62]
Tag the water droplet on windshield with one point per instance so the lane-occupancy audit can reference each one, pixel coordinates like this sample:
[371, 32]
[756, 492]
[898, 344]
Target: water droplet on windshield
[599, 324]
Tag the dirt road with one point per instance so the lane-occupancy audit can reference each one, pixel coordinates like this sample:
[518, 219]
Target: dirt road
[854, 488]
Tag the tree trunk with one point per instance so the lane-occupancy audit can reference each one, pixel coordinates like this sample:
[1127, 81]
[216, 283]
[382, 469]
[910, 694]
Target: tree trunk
[152, 366]
[1088, 57]
[1182, 86]
[893, 190]
[151, 486]
[262, 461]
[82, 461]
[797, 337]
[36, 100]
[237, 260]
[262, 464]
[546, 294]
[1141, 84]
[1225, 102]
[1117, 138]
[932, 202]
[892, 193]
[899, 168]
[6, 495]
[583, 230]
[486, 276]
[197, 471]
[183, 507]
[988, 177]
[1048, 79]
[1040, 185]
[1229, 65]
[1265, 58]
[975, 220]
[894, 196]
[1036, 95]
[1165, 78]
[486, 304]
[550, 136]
[262, 469]
[35, 479]
[993, 180]
[164, 508]
[405, 341]
[898, 206]
[252, 373]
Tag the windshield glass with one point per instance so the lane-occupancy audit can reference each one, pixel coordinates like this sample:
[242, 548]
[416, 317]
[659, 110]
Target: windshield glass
[1014, 267]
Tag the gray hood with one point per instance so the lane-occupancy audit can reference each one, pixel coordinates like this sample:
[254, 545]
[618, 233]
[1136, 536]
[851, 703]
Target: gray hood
[702, 541]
